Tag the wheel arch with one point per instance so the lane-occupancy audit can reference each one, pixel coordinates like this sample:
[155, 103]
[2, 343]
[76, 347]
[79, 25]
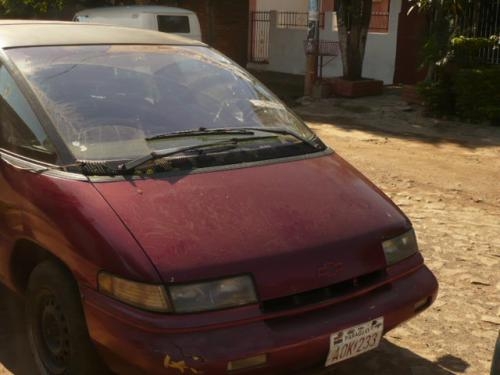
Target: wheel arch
[26, 255]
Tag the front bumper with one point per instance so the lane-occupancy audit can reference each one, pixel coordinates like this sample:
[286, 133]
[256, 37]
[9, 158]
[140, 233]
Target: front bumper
[135, 342]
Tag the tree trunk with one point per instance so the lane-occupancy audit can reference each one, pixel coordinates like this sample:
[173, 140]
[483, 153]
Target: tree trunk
[353, 20]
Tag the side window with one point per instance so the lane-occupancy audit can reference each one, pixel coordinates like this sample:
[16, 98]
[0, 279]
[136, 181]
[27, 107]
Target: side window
[173, 24]
[20, 130]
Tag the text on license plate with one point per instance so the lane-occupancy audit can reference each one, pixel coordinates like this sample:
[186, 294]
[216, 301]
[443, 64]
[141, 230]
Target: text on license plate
[353, 341]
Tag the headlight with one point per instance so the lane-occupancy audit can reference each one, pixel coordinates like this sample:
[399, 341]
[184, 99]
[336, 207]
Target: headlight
[213, 295]
[145, 296]
[401, 247]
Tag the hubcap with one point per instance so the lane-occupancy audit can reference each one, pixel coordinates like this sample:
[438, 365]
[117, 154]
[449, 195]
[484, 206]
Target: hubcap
[52, 334]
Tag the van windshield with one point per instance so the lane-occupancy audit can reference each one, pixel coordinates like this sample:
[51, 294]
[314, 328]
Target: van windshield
[106, 101]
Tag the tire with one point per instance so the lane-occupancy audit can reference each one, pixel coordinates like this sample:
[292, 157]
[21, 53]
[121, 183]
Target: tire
[495, 363]
[56, 325]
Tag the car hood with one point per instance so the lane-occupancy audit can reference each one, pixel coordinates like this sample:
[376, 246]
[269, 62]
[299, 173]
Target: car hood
[295, 225]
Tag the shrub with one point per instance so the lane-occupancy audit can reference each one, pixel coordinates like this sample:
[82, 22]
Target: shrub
[466, 52]
[477, 94]
[438, 95]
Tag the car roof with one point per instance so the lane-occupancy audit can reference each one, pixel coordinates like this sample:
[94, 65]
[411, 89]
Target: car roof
[28, 33]
[132, 9]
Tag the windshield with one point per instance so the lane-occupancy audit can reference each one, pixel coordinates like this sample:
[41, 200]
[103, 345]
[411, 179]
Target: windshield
[109, 102]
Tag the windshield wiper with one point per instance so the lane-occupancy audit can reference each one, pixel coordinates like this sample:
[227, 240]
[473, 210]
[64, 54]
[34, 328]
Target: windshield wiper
[202, 131]
[235, 131]
[284, 131]
[223, 145]
[218, 146]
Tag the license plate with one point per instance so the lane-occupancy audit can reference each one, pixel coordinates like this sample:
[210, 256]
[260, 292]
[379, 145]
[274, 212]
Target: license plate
[353, 341]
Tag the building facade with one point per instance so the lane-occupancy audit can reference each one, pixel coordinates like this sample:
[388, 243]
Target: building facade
[280, 46]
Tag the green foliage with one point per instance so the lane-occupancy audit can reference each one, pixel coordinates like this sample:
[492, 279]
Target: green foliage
[466, 51]
[471, 94]
[443, 22]
[43, 5]
[456, 83]
[472, 44]
[45, 8]
[438, 96]
[29, 7]
[452, 7]
[436, 46]
[477, 94]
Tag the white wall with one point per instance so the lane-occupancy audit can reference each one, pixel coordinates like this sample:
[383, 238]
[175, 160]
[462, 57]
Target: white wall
[286, 51]
[282, 5]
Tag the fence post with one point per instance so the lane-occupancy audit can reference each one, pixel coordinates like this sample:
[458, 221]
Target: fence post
[328, 25]
[259, 35]
[273, 25]
[273, 19]
[312, 39]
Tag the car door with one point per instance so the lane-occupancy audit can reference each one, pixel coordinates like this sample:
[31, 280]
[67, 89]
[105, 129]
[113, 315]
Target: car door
[23, 145]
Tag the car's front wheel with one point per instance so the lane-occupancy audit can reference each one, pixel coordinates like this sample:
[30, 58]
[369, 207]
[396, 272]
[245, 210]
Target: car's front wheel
[56, 326]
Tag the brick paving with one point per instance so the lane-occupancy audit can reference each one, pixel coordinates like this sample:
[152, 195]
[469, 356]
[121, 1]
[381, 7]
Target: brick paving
[446, 177]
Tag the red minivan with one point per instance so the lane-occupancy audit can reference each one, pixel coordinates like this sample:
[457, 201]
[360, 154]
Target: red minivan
[162, 212]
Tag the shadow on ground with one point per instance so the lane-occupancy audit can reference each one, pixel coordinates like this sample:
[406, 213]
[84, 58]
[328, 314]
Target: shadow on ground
[436, 132]
[15, 354]
[390, 359]
[288, 87]
[387, 359]
[383, 115]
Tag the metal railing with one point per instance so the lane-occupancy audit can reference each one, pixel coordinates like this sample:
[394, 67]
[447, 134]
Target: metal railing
[379, 22]
[296, 20]
[260, 23]
[482, 19]
[259, 44]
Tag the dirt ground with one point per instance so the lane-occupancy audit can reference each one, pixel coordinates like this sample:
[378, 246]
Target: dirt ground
[446, 177]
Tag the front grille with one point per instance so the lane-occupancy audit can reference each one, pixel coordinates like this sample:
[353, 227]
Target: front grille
[323, 294]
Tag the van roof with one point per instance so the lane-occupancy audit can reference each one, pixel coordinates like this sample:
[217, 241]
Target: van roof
[27, 33]
[132, 9]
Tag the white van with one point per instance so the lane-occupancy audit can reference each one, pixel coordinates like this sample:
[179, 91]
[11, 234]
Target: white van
[160, 18]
